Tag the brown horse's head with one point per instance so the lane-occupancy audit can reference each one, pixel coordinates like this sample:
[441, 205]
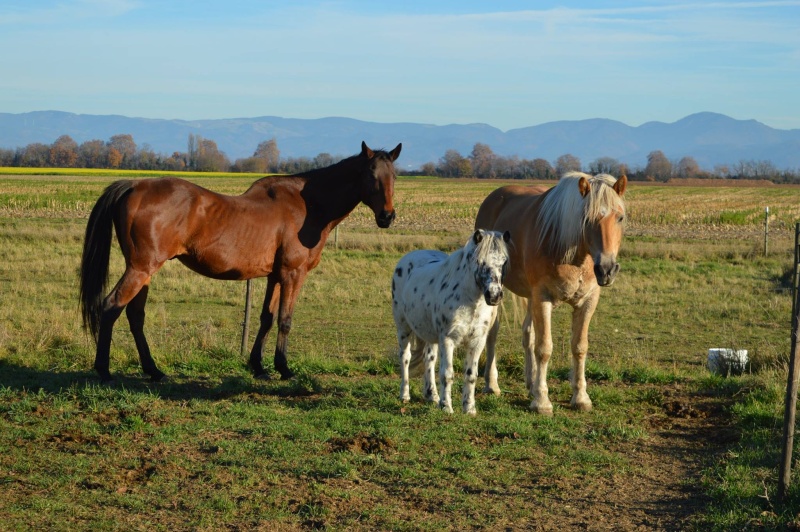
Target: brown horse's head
[605, 222]
[377, 183]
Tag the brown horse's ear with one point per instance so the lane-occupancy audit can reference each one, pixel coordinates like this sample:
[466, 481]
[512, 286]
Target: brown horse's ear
[478, 236]
[366, 151]
[507, 237]
[583, 186]
[621, 184]
[395, 153]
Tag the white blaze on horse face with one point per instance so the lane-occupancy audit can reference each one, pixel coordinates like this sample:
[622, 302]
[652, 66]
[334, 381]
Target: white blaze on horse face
[605, 237]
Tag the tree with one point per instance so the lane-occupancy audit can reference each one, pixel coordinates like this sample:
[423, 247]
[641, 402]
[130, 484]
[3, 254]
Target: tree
[483, 161]
[114, 158]
[658, 166]
[428, 169]
[63, 152]
[126, 147]
[93, 154]
[209, 158]
[567, 163]
[687, 167]
[543, 170]
[604, 165]
[268, 153]
[33, 155]
[454, 165]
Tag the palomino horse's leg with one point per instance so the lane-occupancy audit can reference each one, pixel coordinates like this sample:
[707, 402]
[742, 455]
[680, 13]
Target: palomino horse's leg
[528, 337]
[136, 314]
[430, 355]
[581, 316]
[290, 289]
[268, 311]
[446, 374]
[490, 369]
[126, 289]
[543, 349]
[404, 337]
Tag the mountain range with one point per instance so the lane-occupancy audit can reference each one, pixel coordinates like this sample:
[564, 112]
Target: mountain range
[710, 138]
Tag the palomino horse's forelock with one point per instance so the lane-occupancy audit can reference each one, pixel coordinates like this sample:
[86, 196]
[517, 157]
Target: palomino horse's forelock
[565, 213]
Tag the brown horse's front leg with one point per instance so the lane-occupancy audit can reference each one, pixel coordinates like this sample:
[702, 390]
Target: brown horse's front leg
[268, 311]
[290, 289]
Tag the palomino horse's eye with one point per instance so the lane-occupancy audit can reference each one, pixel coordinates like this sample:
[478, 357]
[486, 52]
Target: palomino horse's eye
[621, 218]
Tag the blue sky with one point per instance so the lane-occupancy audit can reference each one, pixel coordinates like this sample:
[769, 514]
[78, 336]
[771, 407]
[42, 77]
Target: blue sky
[509, 64]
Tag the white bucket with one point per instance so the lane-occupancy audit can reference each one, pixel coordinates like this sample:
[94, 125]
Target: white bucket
[725, 361]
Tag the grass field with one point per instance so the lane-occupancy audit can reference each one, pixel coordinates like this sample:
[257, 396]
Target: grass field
[667, 446]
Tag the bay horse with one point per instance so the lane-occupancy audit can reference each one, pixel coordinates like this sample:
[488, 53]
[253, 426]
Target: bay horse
[276, 229]
[441, 301]
[566, 241]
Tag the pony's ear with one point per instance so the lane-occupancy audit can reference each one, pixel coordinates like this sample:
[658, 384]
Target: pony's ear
[395, 153]
[621, 184]
[583, 186]
[478, 236]
[507, 237]
[366, 151]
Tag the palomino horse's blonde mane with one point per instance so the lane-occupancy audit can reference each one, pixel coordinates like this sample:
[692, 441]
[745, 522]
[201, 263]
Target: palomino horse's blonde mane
[564, 213]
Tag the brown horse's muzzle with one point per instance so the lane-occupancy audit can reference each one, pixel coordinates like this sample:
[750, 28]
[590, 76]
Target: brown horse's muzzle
[385, 218]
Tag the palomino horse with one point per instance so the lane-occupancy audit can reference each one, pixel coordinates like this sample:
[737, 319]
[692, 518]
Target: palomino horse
[277, 229]
[566, 241]
[441, 301]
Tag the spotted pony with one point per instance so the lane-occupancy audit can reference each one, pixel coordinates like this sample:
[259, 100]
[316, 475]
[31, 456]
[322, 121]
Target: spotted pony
[440, 302]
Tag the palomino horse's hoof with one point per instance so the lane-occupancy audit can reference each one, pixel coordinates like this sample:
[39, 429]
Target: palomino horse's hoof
[542, 410]
[582, 407]
[491, 390]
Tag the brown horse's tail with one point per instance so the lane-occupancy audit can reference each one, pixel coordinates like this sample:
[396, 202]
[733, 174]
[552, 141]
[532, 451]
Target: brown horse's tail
[96, 253]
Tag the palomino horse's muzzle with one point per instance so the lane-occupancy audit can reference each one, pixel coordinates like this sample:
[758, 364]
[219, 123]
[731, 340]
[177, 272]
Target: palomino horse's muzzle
[606, 272]
[385, 218]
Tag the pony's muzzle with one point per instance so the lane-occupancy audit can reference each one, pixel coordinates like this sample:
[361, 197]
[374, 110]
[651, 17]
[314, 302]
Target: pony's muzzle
[606, 273]
[493, 298]
[385, 218]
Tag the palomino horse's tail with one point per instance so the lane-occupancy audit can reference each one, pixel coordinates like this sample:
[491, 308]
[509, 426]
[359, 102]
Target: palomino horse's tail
[96, 253]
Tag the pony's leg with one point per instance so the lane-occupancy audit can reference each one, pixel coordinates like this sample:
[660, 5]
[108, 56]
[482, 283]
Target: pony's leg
[581, 316]
[446, 374]
[541, 311]
[404, 337]
[268, 310]
[290, 289]
[136, 315]
[490, 370]
[471, 374]
[430, 355]
[129, 285]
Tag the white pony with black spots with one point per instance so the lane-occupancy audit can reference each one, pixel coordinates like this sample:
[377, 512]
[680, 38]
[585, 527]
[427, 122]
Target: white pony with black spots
[441, 302]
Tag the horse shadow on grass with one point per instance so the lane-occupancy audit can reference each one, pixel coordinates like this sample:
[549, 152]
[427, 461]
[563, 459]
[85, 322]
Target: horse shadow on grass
[176, 387]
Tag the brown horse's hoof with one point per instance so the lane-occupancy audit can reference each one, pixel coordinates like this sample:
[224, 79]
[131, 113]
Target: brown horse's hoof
[264, 376]
[287, 376]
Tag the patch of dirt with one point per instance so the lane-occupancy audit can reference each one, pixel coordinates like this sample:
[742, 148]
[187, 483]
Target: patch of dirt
[663, 491]
[362, 444]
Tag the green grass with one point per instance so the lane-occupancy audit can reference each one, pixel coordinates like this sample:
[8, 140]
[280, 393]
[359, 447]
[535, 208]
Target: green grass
[334, 448]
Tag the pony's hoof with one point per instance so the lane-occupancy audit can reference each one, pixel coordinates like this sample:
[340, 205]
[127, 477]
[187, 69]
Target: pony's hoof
[405, 400]
[471, 411]
[447, 409]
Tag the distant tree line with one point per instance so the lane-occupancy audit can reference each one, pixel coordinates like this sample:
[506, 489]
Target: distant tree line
[483, 163]
[203, 155]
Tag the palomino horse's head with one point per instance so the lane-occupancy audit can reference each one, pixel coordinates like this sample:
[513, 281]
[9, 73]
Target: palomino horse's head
[490, 263]
[377, 183]
[604, 219]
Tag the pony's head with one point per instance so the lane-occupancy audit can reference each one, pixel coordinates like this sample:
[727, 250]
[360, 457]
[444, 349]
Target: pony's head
[587, 212]
[604, 222]
[377, 183]
[490, 263]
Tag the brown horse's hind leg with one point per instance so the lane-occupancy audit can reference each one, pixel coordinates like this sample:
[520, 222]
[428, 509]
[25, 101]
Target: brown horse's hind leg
[127, 288]
[136, 314]
[270, 307]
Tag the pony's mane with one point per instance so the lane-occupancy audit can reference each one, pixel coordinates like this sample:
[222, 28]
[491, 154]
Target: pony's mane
[492, 241]
[564, 213]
